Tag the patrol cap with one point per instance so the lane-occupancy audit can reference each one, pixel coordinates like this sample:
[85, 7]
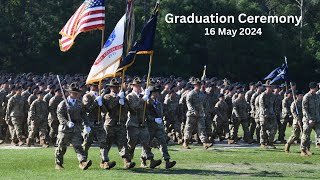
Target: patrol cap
[313, 85]
[40, 92]
[288, 92]
[18, 88]
[300, 93]
[57, 89]
[252, 84]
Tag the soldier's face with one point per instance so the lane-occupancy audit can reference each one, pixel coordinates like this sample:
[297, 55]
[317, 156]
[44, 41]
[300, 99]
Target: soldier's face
[269, 89]
[114, 89]
[300, 96]
[40, 96]
[137, 88]
[94, 88]
[58, 93]
[197, 87]
[74, 95]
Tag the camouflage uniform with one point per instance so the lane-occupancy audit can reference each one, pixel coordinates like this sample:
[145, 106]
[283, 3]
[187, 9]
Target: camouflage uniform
[310, 110]
[278, 110]
[286, 116]
[253, 114]
[171, 120]
[72, 135]
[221, 119]
[183, 110]
[155, 110]
[53, 121]
[267, 118]
[211, 100]
[47, 98]
[37, 121]
[252, 122]
[136, 129]
[257, 117]
[17, 109]
[3, 103]
[240, 116]
[297, 118]
[116, 131]
[95, 122]
[195, 116]
[31, 98]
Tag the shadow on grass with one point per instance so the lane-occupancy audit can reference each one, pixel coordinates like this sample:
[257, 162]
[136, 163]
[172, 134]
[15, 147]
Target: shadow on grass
[201, 172]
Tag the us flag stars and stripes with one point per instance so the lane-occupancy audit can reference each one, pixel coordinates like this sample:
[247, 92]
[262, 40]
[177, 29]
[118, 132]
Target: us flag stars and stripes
[89, 16]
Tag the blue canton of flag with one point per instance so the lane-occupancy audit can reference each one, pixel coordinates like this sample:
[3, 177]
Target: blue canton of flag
[280, 73]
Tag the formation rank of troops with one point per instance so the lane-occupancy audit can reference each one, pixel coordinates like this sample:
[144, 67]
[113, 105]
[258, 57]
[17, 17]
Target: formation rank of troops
[38, 110]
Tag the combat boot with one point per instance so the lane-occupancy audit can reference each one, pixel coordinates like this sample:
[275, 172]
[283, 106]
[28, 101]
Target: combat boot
[263, 146]
[309, 152]
[304, 153]
[59, 167]
[28, 142]
[1, 141]
[21, 143]
[154, 163]
[85, 165]
[128, 164]
[271, 146]
[143, 163]
[207, 145]
[44, 143]
[170, 164]
[14, 143]
[287, 148]
[230, 141]
[185, 144]
[180, 141]
[318, 146]
[108, 165]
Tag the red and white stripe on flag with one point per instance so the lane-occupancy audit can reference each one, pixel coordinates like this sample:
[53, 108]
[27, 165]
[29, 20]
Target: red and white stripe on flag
[89, 16]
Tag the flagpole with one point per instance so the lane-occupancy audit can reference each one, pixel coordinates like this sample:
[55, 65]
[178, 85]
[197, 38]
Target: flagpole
[121, 89]
[148, 82]
[99, 108]
[102, 38]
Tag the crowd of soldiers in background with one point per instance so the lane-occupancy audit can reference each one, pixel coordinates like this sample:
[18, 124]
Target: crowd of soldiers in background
[172, 109]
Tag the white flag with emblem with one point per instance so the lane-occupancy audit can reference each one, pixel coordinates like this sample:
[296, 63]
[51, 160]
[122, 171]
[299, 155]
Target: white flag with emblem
[110, 56]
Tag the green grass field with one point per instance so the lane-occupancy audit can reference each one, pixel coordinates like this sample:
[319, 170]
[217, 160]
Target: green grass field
[220, 162]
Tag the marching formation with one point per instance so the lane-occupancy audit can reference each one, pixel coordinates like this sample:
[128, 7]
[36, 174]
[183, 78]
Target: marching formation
[42, 109]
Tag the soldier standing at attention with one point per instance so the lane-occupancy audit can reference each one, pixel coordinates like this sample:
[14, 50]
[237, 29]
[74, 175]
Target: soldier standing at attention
[195, 116]
[3, 103]
[247, 96]
[136, 127]
[278, 108]
[171, 120]
[296, 111]
[253, 112]
[70, 129]
[221, 119]
[286, 115]
[17, 109]
[240, 116]
[53, 121]
[267, 116]
[311, 118]
[115, 125]
[154, 114]
[37, 120]
[91, 102]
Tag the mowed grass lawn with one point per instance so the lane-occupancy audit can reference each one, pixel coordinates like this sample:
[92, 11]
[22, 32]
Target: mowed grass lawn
[217, 163]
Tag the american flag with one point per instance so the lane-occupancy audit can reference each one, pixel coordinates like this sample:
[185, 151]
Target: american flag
[89, 16]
